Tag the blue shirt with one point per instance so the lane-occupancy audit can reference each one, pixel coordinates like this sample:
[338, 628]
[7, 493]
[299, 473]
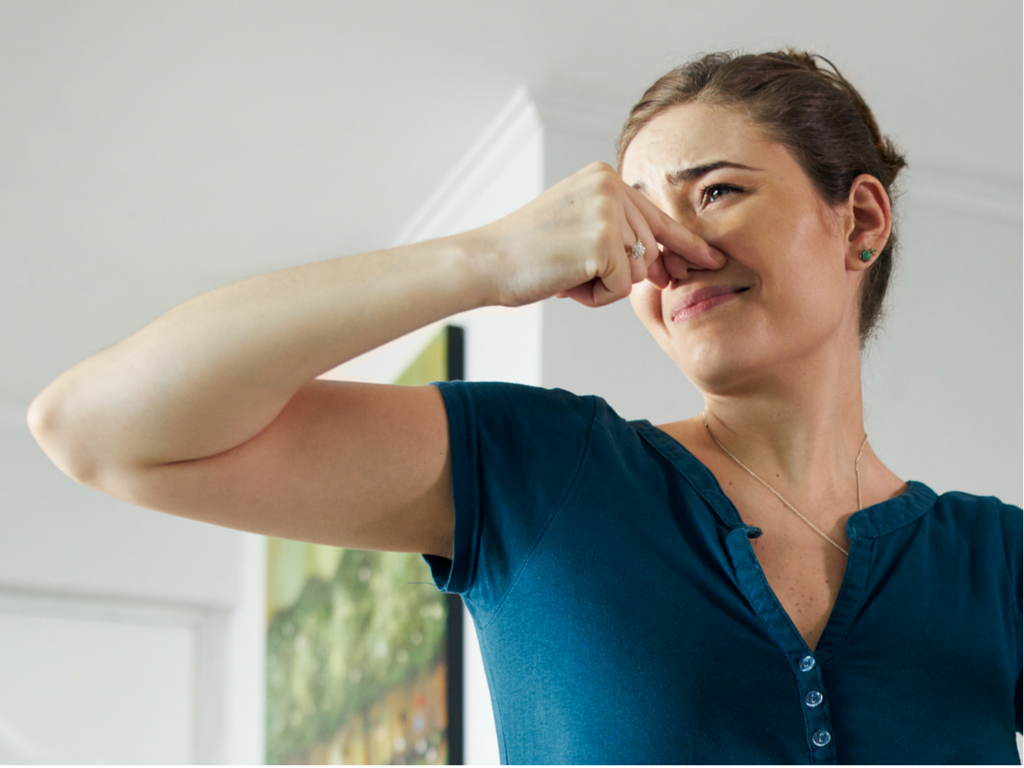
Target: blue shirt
[623, 617]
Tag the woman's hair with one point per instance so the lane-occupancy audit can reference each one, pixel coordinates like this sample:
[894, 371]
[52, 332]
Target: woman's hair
[813, 111]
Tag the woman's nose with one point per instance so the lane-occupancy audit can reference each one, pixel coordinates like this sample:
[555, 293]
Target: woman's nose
[675, 265]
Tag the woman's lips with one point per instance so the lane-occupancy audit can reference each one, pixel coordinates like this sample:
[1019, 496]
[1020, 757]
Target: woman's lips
[704, 299]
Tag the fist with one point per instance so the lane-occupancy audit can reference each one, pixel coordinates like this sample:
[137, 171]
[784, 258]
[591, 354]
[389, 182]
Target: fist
[579, 240]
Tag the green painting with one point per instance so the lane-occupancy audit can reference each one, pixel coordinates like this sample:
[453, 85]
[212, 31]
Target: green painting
[360, 669]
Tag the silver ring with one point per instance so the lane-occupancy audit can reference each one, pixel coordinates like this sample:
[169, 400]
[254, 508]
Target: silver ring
[638, 250]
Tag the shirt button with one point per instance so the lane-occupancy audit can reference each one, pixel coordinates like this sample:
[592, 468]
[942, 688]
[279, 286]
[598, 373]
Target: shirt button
[807, 663]
[813, 699]
[821, 738]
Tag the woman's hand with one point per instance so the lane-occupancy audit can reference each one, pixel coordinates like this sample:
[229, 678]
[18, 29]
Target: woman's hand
[574, 241]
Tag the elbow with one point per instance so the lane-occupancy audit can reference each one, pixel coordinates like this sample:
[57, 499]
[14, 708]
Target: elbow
[40, 417]
[46, 424]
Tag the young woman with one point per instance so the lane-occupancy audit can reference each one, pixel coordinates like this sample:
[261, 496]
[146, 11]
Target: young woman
[751, 584]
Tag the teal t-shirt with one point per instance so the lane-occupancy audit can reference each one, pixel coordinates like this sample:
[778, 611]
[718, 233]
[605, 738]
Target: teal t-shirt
[623, 617]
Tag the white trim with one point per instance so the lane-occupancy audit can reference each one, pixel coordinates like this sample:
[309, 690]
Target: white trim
[506, 135]
[18, 748]
[90, 607]
[589, 118]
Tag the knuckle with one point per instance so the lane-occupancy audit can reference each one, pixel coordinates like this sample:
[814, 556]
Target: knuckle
[605, 208]
[606, 235]
[606, 184]
[600, 167]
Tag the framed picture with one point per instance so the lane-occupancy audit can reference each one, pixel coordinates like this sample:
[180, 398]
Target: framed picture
[364, 654]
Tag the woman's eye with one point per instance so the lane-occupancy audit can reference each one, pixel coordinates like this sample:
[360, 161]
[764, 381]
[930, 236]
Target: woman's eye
[715, 192]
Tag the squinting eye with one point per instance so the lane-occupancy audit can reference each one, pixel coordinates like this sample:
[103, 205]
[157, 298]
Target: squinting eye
[715, 192]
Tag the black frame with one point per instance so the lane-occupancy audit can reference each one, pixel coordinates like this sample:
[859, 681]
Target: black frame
[456, 343]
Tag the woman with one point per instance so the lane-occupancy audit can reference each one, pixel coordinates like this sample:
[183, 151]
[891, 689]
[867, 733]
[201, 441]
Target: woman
[751, 584]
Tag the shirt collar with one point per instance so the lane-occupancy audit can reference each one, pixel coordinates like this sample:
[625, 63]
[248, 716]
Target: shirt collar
[877, 520]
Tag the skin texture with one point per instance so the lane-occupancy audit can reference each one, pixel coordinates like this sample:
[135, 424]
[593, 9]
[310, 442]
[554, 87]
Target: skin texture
[779, 365]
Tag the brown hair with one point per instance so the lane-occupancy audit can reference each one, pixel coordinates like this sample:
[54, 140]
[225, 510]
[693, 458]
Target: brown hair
[813, 111]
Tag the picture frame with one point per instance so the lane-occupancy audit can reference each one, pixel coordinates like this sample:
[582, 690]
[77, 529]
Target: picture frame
[364, 653]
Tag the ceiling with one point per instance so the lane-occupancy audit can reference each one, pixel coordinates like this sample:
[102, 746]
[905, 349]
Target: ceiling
[140, 140]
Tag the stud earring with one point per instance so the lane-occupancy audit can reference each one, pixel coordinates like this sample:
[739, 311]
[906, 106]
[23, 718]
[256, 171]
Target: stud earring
[867, 253]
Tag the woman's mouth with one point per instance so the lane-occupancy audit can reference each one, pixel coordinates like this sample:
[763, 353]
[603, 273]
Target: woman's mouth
[704, 299]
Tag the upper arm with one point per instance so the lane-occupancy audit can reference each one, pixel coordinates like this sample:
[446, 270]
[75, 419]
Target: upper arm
[365, 466]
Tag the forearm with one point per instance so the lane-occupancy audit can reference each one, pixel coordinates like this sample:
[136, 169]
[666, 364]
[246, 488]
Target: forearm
[213, 372]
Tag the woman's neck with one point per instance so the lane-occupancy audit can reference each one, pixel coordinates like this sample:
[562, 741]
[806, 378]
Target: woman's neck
[800, 429]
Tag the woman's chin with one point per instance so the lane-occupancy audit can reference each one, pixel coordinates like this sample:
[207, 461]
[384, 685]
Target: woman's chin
[714, 366]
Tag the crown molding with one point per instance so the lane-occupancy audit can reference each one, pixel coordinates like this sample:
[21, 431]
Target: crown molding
[573, 114]
[512, 128]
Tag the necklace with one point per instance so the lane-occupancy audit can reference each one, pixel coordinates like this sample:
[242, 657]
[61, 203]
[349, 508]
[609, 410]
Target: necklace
[856, 469]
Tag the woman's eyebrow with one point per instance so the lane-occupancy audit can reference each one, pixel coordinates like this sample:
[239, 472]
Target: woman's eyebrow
[676, 177]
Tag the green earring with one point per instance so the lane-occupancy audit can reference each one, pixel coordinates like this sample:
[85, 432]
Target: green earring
[867, 253]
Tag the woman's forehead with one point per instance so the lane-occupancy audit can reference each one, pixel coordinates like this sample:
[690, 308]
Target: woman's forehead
[690, 136]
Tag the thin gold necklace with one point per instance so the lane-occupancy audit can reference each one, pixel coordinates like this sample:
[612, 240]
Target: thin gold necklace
[856, 469]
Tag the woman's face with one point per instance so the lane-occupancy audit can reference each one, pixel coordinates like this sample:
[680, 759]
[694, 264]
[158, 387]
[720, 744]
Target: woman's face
[790, 293]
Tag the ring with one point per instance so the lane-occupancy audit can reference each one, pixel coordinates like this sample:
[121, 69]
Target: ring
[638, 250]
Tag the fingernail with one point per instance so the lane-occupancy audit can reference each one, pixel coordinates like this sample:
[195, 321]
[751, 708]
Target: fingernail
[718, 256]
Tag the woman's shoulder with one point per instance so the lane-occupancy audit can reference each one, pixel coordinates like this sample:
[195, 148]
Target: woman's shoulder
[524, 409]
[524, 399]
[975, 515]
[964, 502]
[510, 390]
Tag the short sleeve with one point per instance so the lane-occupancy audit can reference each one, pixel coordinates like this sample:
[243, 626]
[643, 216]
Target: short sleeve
[515, 453]
[1013, 540]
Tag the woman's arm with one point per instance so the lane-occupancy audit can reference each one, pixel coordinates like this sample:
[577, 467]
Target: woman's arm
[213, 410]
[213, 372]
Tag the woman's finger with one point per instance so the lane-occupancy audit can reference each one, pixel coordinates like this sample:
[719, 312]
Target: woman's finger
[641, 268]
[674, 235]
[636, 248]
[616, 283]
[623, 269]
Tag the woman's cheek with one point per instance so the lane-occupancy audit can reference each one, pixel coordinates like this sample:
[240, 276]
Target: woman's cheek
[646, 300]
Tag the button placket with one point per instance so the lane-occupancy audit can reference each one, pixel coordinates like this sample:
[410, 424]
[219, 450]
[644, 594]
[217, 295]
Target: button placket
[754, 585]
[816, 716]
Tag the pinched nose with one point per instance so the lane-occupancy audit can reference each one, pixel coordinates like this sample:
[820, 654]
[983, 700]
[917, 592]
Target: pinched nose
[676, 266]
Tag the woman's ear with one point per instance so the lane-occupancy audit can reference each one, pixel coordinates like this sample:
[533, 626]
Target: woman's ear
[870, 221]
